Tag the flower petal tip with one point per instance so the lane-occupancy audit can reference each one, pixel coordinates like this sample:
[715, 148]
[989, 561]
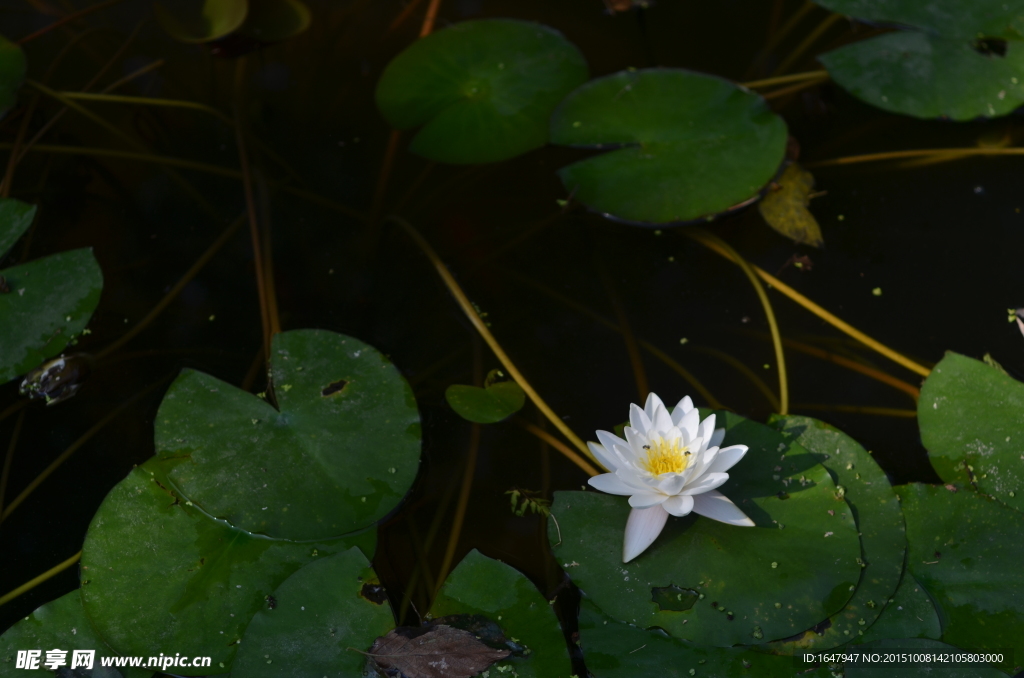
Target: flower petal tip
[642, 528]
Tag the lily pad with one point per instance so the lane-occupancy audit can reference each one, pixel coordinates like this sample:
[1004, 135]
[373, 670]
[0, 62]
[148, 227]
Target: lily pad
[879, 521]
[214, 20]
[966, 551]
[61, 624]
[275, 20]
[929, 76]
[15, 219]
[937, 669]
[785, 207]
[492, 589]
[339, 454]
[49, 302]
[797, 567]
[497, 400]
[159, 573]
[951, 18]
[613, 649]
[12, 73]
[972, 423]
[909, 613]
[681, 145]
[311, 622]
[481, 90]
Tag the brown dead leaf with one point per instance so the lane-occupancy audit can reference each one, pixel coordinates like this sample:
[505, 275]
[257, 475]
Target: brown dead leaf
[438, 651]
[785, 207]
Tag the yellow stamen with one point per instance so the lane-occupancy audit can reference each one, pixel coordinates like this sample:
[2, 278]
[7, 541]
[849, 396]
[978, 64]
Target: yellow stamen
[666, 456]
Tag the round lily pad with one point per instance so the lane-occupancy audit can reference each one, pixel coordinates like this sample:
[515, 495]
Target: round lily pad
[680, 145]
[951, 18]
[12, 74]
[340, 453]
[159, 574]
[966, 551]
[747, 585]
[972, 423]
[50, 301]
[908, 613]
[496, 401]
[311, 622]
[879, 521]
[918, 669]
[216, 19]
[612, 649]
[481, 90]
[492, 589]
[61, 625]
[928, 76]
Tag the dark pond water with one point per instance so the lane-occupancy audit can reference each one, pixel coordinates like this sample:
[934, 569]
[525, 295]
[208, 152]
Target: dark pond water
[941, 241]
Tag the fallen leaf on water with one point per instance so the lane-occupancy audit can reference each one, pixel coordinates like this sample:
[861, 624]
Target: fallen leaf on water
[785, 207]
[438, 651]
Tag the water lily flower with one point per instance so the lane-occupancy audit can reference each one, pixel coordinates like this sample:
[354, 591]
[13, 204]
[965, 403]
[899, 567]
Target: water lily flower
[669, 464]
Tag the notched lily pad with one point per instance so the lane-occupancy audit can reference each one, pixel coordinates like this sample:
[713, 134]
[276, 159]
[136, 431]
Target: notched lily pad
[481, 90]
[785, 207]
[497, 400]
[339, 454]
[681, 145]
[436, 651]
[908, 613]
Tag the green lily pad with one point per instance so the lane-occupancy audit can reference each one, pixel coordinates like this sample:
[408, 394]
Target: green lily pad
[951, 18]
[60, 624]
[613, 649]
[911, 669]
[50, 302]
[481, 90]
[314, 619]
[928, 76]
[908, 613]
[15, 219]
[275, 20]
[497, 400]
[797, 567]
[966, 551]
[339, 454]
[12, 73]
[785, 207]
[879, 521]
[158, 573]
[482, 586]
[216, 19]
[972, 423]
[684, 145]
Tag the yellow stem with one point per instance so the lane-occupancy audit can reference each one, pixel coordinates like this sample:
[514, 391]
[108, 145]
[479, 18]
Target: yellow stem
[855, 366]
[32, 583]
[706, 238]
[788, 27]
[785, 79]
[950, 153]
[147, 101]
[558, 445]
[739, 366]
[9, 457]
[460, 508]
[481, 328]
[805, 45]
[792, 89]
[430, 18]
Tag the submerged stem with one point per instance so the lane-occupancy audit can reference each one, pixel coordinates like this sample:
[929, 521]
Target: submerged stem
[36, 581]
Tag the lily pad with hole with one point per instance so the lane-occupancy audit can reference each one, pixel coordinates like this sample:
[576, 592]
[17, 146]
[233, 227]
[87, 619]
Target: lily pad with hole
[190, 23]
[879, 520]
[159, 573]
[485, 589]
[908, 613]
[12, 73]
[972, 423]
[61, 625]
[966, 551]
[496, 401]
[311, 623]
[338, 453]
[678, 145]
[796, 568]
[44, 304]
[480, 91]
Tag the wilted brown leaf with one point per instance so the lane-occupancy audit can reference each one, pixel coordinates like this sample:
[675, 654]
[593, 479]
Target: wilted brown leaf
[785, 207]
[436, 652]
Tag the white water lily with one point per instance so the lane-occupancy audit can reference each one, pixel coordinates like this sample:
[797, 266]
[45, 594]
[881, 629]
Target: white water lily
[669, 464]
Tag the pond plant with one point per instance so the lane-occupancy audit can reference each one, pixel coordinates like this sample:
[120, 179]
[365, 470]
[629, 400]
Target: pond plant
[305, 465]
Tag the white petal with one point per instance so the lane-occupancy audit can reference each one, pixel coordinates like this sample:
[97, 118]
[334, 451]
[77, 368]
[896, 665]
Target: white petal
[662, 420]
[704, 460]
[717, 506]
[682, 407]
[639, 420]
[603, 456]
[706, 430]
[726, 458]
[652, 405]
[636, 441]
[647, 499]
[689, 424]
[670, 483]
[612, 484]
[642, 528]
[679, 506]
[708, 481]
[628, 476]
[717, 438]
